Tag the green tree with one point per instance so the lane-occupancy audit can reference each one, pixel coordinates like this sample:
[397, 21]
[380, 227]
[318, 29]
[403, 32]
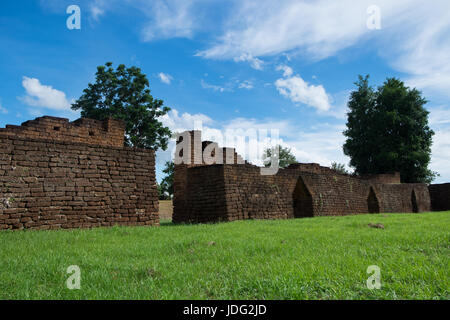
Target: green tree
[124, 94]
[285, 157]
[387, 130]
[167, 182]
[161, 194]
[339, 167]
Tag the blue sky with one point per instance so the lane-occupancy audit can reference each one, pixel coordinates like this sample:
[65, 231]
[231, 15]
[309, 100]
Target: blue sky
[286, 65]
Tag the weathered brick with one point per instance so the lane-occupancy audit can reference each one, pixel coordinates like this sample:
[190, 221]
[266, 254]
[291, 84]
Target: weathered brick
[53, 171]
[227, 192]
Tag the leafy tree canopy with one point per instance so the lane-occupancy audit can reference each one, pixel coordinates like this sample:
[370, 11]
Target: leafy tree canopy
[387, 131]
[166, 186]
[124, 94]
[339, 168]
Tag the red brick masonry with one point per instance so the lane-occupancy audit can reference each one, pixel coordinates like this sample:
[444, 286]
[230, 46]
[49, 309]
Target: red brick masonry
[227, 192]
[60, 174]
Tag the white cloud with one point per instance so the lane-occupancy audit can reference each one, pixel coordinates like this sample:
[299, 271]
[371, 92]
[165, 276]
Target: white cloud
[165, 78]
[422, 45]
[178, 123]
[255, 63]
[321, 144]
[441, 154]
[439, 116]
[414, 38]
[247, 84]
[39, 95]
[185, 121]
[285, 127]
[298, 90]
[264, 28]
[168, 19]
[439, 120]
[214, 87]
[287, 71]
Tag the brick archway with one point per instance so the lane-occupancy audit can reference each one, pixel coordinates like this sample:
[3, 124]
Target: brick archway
[302, 199]
[415, 207]
[372, 202]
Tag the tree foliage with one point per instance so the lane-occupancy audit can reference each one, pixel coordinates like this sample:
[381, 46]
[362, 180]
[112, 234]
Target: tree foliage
[166, 186]
[285, 157]
[339, 168]
[124, 94]
[387, 131]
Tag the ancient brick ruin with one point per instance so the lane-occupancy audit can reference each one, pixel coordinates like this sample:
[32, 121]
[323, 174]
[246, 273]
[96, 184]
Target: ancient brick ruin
[60, 174]
[207, 191]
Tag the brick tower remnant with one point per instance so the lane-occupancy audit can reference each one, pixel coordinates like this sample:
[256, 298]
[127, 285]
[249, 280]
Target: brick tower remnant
[60, 174]
[209, 190]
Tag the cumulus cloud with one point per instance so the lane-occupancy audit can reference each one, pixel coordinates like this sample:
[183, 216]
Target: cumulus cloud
[320, 143]
[287, 71]
[165, 78]
[178, 122]
[441, 154]
[250, 136]
[39, 95]
[299, 91]
[181, 122]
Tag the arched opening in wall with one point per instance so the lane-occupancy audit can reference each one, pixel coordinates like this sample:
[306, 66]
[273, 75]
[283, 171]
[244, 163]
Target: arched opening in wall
[415, 208]
[302, 199]
[372, 202]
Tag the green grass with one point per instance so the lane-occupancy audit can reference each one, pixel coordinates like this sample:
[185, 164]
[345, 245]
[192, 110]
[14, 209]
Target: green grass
[315, 258]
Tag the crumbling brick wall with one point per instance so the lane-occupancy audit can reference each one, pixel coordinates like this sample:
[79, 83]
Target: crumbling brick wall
[440, 196]
[232, 191]
[387, 178]
[52, 182]
[102, 133]
[407, 197]
[204, 196]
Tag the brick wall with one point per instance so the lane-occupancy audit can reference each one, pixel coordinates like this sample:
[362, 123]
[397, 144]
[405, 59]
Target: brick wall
[440, 196]
[102, 133]
[407, 197]
[58, 183]
[387, 178]
[227, 192]
[203, 198]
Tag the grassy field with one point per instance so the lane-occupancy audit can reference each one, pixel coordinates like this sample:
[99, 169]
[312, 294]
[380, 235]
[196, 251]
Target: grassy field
[315, 258]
